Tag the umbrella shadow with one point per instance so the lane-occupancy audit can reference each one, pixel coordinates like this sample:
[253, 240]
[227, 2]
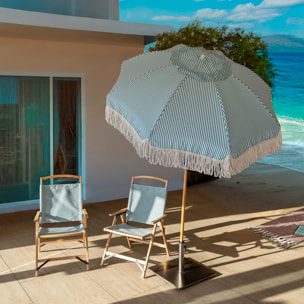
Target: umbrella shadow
[227, 244]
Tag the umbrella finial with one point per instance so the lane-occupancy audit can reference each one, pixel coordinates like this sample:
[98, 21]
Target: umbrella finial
[201, 64]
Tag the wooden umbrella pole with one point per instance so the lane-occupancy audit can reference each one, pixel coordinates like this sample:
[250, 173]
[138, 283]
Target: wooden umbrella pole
[183, 207]
[181, 249]
[183, 272]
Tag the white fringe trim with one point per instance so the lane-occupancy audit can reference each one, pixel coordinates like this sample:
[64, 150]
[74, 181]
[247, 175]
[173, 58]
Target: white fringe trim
[191, 161]
[279, 240]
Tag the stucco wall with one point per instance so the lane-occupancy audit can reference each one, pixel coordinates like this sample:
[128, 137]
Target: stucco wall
[110, 159]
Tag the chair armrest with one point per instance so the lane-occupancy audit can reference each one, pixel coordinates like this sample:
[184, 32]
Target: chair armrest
[36, 219]
[158, 219]
[84, 211]
[119, 212]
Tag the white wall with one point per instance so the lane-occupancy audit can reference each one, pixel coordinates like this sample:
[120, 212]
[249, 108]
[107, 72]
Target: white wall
[102, 9]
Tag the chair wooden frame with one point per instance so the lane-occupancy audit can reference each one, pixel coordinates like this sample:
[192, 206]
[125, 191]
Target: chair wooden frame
[57, 238]
[156, 223]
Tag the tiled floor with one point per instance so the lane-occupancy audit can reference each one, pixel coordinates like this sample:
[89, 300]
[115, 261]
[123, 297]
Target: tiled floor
[217, 217]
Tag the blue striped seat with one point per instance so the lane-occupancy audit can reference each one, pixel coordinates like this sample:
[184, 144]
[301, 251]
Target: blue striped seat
[146, 206]
[44, 231]
[127, 230]
[61, 217]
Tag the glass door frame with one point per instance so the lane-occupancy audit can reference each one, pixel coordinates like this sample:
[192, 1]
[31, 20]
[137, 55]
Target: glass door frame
[34, 204]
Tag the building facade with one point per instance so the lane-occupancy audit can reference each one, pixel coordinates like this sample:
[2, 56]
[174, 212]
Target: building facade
[55, 73]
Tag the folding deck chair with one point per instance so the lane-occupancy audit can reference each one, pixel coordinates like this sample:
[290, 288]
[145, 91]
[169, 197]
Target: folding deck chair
[146, 205]
[61, 217]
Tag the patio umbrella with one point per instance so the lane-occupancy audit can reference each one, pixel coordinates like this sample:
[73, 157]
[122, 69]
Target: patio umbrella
[193, 109]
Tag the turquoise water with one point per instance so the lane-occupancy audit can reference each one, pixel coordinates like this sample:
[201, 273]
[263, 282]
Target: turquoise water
[288, 103]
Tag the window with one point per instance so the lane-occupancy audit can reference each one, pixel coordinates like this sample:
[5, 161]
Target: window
[40, 133]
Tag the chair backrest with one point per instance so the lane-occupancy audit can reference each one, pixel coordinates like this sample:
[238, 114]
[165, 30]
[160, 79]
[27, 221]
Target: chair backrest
[146, 202]
[61, 202]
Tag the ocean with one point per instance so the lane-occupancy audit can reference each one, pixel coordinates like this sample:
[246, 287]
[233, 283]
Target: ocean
[288, 103]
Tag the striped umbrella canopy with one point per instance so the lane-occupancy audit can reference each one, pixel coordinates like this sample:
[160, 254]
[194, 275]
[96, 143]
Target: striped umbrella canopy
[194, 109]
[197, 110]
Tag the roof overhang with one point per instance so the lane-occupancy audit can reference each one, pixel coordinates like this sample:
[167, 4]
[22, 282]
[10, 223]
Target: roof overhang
[13, 20]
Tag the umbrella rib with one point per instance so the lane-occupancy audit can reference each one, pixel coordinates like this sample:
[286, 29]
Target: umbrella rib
[170, 100]
[129, 81]
[258, 98]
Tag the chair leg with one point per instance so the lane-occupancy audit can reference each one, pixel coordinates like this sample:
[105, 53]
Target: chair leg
[36, 265]
[87, 248]
[164, 238]
[106, 249]
[108, 242]
[37, 245]
[148, 253]
[129, 242]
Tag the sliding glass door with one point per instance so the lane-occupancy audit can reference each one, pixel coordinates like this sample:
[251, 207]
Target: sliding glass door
[40, 132]
[66, 126]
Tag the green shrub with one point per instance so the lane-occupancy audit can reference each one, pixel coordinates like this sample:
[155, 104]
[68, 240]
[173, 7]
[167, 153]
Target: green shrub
[244, 48]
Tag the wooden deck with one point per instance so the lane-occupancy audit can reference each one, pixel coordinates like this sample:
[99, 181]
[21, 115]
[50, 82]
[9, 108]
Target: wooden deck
[218, 215]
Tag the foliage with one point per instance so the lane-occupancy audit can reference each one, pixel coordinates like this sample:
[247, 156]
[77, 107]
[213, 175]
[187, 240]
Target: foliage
[244, 48]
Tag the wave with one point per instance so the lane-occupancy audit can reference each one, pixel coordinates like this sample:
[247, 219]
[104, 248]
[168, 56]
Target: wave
[296, 143]
[291, 121]
[290, 156]
[288, 102]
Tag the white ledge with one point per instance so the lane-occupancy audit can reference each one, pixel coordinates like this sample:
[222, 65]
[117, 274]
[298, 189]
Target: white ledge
[29, 18]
